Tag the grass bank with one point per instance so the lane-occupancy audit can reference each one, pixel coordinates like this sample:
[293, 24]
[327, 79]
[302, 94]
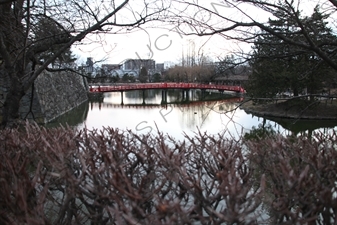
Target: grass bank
[294, 108]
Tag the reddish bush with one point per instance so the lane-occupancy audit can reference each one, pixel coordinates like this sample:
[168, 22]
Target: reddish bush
[108, 176]
[301, 178]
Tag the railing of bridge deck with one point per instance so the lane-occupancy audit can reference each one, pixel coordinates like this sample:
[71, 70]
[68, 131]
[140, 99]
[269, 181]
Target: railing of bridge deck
[165, 86]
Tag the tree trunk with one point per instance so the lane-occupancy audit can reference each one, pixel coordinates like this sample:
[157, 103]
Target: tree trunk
[11, 105]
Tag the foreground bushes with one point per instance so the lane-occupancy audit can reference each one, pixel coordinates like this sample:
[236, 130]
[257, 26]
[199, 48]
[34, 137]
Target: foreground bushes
[61, 176]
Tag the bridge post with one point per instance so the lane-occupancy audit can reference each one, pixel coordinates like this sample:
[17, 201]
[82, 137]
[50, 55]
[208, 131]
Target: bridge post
[186, 96]
[164, 97]
[143, 96]
[122, 103]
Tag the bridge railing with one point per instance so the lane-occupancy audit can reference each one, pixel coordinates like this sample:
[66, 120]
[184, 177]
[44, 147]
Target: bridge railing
[164, 86]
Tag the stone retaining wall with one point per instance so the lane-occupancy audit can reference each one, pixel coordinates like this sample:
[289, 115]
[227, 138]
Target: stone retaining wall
[52, 95]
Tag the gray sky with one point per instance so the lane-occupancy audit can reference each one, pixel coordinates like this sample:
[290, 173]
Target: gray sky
[164, 43]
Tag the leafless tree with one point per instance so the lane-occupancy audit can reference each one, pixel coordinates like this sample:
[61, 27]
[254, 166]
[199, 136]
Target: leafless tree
[243, 20]
[194, 55]
[24, 36]
[195, 73]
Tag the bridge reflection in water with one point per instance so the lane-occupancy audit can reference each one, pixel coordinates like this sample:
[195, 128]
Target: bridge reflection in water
[189, 104]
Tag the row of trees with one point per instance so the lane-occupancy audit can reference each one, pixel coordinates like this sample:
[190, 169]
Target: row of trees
[189, 74]
[207, 71]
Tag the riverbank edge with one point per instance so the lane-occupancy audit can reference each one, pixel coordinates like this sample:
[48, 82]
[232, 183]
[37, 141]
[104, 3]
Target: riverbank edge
[268, 110]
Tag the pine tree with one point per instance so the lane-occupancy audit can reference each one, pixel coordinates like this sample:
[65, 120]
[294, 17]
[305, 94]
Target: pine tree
[279, 67]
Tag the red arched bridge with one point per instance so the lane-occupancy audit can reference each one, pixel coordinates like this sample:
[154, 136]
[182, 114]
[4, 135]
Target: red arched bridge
[130, 87]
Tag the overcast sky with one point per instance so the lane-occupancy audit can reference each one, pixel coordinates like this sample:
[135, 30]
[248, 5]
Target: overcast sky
[158, 44]
[165, 44]
[162, 44]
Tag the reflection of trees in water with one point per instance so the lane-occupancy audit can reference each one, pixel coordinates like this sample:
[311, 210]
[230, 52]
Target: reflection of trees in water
[297, 126]
[225, 107]
[197, 115]
[264, 130]
[294, 127]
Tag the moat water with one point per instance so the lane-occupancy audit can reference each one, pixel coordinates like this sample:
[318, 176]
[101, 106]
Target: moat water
[213, 113]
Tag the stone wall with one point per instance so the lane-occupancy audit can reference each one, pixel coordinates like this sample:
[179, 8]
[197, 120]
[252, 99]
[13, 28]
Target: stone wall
[52, 95]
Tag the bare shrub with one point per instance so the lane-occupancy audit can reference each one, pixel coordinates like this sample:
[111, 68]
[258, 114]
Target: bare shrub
[300, 177]
[109, 176]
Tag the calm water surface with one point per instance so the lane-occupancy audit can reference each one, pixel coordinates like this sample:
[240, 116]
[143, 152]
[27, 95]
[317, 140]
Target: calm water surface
[143, 113]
